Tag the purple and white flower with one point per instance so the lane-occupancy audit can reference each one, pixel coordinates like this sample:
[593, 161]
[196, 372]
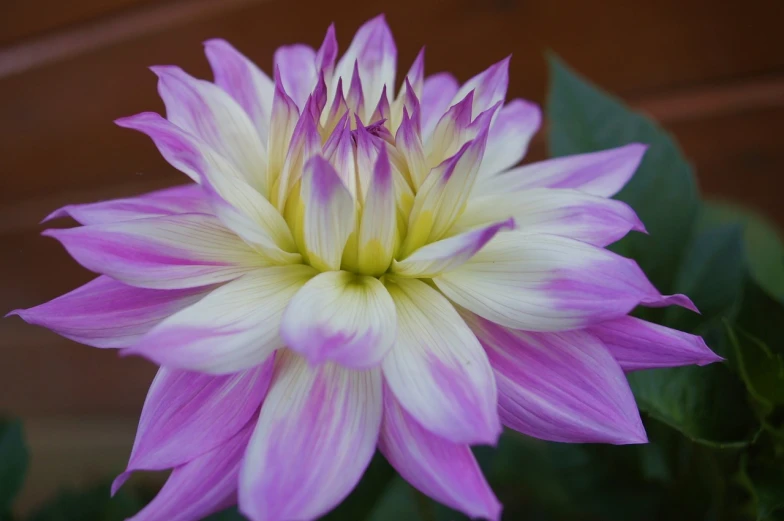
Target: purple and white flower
[360, 264]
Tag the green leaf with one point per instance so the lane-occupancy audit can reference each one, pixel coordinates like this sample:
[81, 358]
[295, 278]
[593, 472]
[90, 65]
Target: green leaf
[706, 404]
[766, 482]
[712, 274]
[763, 246]
[760, 368]
[93, 504]
[13, 462]
[664, 193]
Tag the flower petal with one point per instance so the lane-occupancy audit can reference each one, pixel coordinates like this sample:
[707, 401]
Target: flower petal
[439, 468]
[107, 313]
[329, 217]
[566, 213]
[285, 116]
[233, 328]
[437, 93]
[601, 173]
[208, 112]
[510, 134]
[176, 251]
[373, 49]
[409, 144]
[637, 344]
[450, 133]
[305, 143]
[244, 82]
[202, 486]
[342, 317]
[188, 414]
[437, 368]
[296, 66]
[315, 436]
[169, 201]
[443, 195]
[378, 226]
[549, 283]
[447, 254]
[562, 386]
[489, 86]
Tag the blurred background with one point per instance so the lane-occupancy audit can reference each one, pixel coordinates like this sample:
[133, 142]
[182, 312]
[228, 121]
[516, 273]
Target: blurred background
[710, 72]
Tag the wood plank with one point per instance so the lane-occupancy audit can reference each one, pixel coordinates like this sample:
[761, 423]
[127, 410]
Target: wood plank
[55, 121]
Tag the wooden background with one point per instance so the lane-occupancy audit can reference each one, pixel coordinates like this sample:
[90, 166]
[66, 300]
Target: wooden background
[712, 72]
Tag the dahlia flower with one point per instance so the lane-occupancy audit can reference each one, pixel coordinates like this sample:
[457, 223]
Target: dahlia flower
[359, 264]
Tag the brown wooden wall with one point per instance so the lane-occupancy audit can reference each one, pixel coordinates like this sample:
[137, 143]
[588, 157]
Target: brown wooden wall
[710, 71]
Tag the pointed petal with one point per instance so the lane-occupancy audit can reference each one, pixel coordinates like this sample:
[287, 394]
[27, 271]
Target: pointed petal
[327, 53]
[169, 201]
[549, 283]
[416, 74]
[378, 227]
[244, 82]
[601, 173]
[107, 313]
[305, 143]
[562, 386]
[510, 134]
[337, 110]
[208, 112]
[637, 344]
[315, 436]
[355, 98]
[179, 251]
[436, 356]
[439, 468]
[342, 317]
[202, 486]
[296, 66]
[329, 214]
[409, 144]
[437, 93]
[448, 254]
[489, 86]
[451, 132]
[443, 196]
[285, 116]
[233, 328]
[373, 48]
[566, 213]
[339, 151]
[186, 415]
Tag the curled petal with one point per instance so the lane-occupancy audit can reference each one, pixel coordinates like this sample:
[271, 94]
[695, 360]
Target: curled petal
[107, 313]
[202, 486]
[244, 82]
[445, 471]
[295, 66]
[448, 254]
[637, 344]
[179, 251]
[510, 134]
[489, 86]
[566, 213]
[170, 201]
[342, 317]
[601, 173]
[209, 113]
[436, 356]
[549, 283]
[187, 415]
[315, 436]
[329, 214]
[437, 93]
[562, 386]
[234, 328]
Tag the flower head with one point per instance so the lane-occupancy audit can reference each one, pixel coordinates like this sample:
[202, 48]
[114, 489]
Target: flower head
[360, 264]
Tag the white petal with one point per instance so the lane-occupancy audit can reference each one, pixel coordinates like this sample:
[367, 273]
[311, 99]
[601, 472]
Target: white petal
[437, 369]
